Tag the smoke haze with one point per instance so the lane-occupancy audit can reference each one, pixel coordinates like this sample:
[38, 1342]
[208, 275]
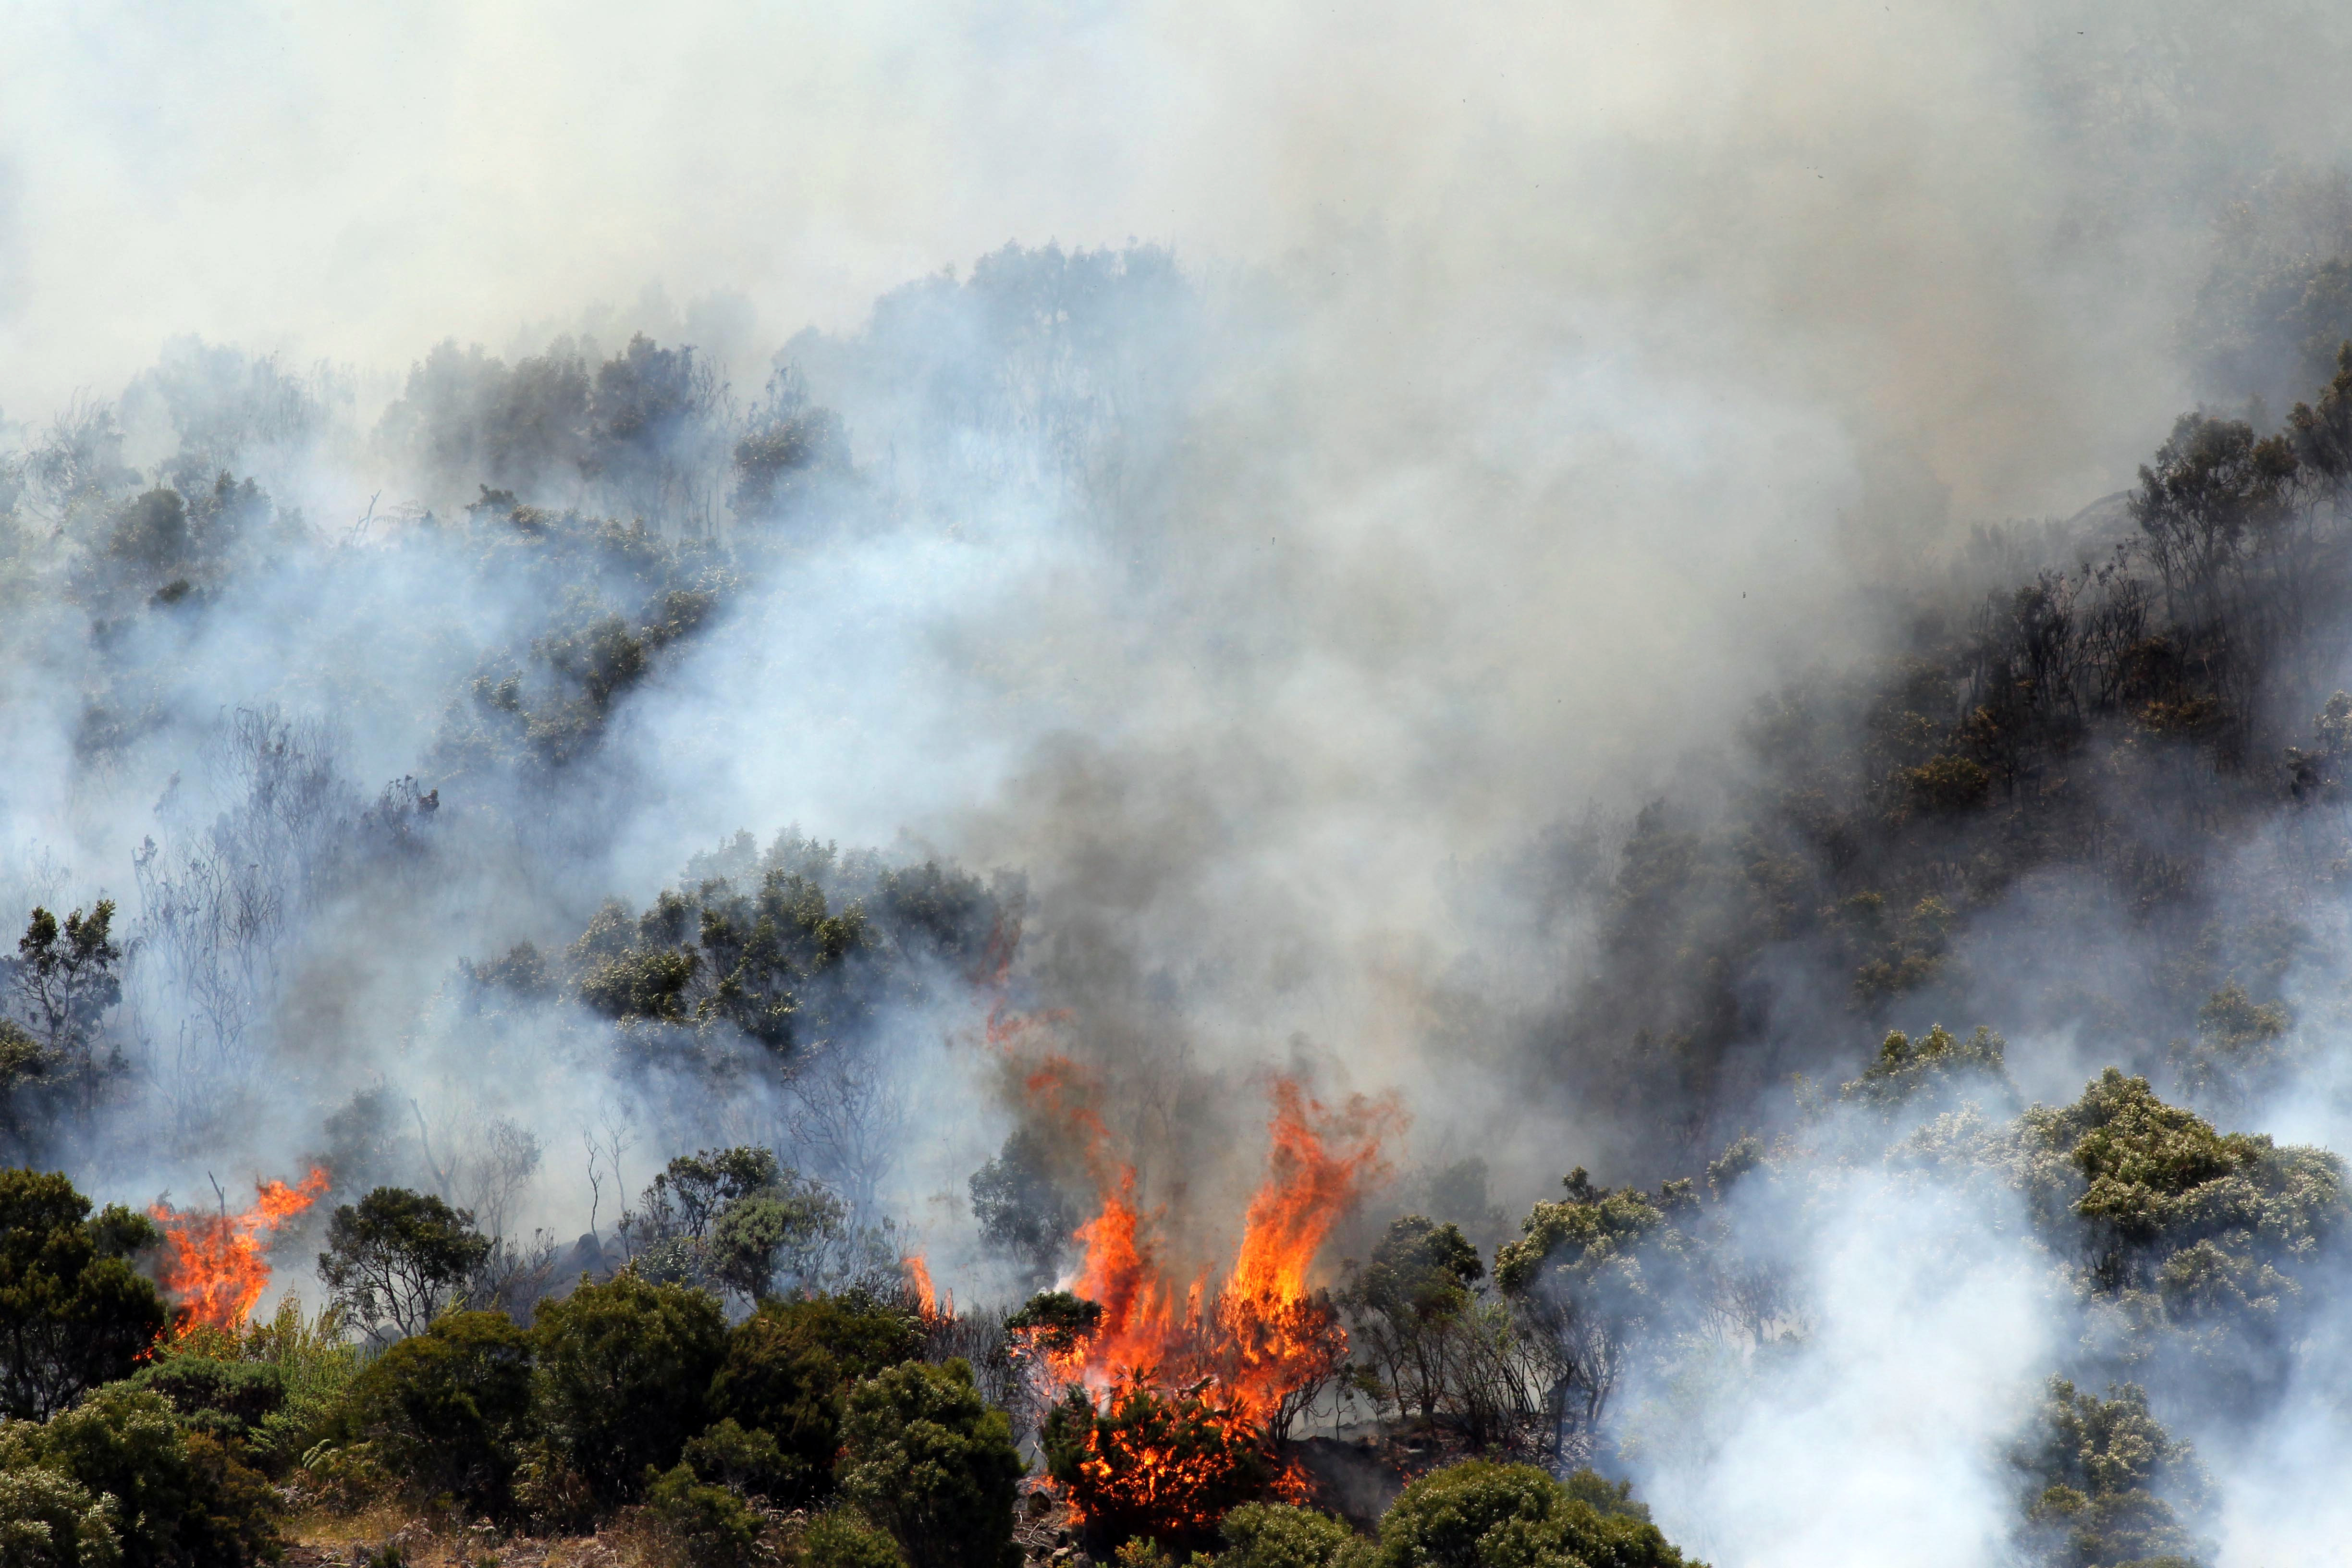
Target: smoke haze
[1300, 486]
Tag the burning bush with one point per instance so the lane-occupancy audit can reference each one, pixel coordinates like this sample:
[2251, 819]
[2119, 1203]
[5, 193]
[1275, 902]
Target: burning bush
[1149, 1464]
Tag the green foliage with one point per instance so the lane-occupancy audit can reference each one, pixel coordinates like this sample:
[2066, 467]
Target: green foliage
[1602, 1275]
[315, 1363]
[863, 1335]
[65, 977]
[709, 1526]
[784, 1378]
[2241, 1046]
[844, 1537]
[49, 1520]
[445, 1409]
[751, 1461]
[1275, 1535]
[183, 1500]
[925, 1460]
[623, 1374]
[1932, 1068]
[778, 1380]
[73, 1314]
[1410, 1306]
[2214, 1220]
[1478, 1514]
[721, 957]
[734, 1220]
[2102, 1478]
[228, 1398]
[396, 1258]
[1020, 1209]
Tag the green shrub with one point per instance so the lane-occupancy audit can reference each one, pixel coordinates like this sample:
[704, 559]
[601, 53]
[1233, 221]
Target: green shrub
[446, 1408]
[1273, 1535]
[73, 1315]
[225, 1398]
[930, 1462]
[183, 1500]
[709, 1526]
[863, 1334]
[47, 1520]
[1480, 1514]
[844, 1537]
[748, 1460]
[777, 1378]
[624, 1371]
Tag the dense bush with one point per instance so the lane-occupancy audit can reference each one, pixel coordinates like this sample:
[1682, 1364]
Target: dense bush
[930, 1462]
[623, 1377]
[446, 1408]
[229, 1398]
[706, 1525]
[73, 1314]
[843, 1538]
[1480, 1514]
[1274, 1535]
[182, 1499]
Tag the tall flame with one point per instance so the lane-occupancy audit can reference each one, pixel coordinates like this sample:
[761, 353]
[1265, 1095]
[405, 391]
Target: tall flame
[214, 1262]
[930, 1303]
[1265, 1333]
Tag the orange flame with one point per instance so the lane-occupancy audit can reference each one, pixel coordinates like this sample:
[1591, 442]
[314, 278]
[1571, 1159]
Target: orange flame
[933, 1306]
[1252, 1353]
[214, 1263]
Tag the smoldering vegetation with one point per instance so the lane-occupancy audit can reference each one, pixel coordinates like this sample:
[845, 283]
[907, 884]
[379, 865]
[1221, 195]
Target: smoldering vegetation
[669, 852]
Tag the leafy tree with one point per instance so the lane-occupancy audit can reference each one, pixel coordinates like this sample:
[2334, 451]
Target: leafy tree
[748, 1461]
[447, 1407]
[2157, 1184]
[1020, 1209]
[73, 1314]
[1409, 1304]
[2239, 1048]
[732, 1220]
[623, 1377]
[1602, 1274]
[396, 1258]
[778, 1381]
[2103, 1477]
[927, 1460]
[1480, 1514]
[66, 978]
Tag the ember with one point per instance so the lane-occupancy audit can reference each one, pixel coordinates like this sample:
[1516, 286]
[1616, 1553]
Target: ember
[215, 1263]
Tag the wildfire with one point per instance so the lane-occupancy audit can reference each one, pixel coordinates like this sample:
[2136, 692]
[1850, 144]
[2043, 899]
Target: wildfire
[1184, 1386]
[1265, 1335]
[214, 1262]
[929, 1302]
